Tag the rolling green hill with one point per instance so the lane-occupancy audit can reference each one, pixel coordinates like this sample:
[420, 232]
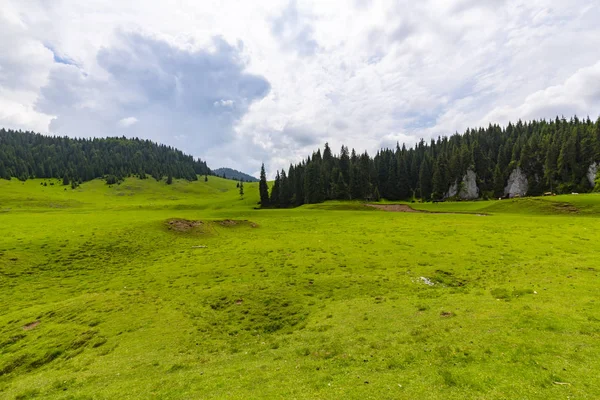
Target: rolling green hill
[146, 290]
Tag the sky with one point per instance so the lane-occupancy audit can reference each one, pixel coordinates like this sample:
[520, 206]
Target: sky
[239, 83]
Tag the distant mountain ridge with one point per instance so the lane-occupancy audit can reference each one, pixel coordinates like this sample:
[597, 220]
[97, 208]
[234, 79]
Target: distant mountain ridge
[230, 173]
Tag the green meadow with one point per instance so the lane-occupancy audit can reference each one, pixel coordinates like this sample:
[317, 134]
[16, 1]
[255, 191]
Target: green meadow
[151, 291]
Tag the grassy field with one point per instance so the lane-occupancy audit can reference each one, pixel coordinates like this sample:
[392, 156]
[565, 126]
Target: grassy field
[143, 290]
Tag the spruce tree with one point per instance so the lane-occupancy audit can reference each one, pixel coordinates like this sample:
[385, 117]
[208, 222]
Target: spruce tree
[439, 186]
[345, 164]
[341, 188]
[403, 179]
[263, 188]
[241, 186]
[274, 199]
[498, 182]
[284, 191]
[355, 189]
[376, 195]
[3, 172]
[312, 187]
[425, 179]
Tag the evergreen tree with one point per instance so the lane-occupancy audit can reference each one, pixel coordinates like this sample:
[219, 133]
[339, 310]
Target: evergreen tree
[550, 167]
[341, 188]
[312, 184]
[355, 189]
[3, 172]
[439, 182]
[263, 188]
[169, 179]
[376, 195]
[403, 179]
[498, 182]
[206, 178]
[285, 195]
[65, 180]
[275, 198]
[345, 164]
[241, 186]
[425, 180]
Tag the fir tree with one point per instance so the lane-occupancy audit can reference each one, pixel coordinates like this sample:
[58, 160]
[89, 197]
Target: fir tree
[274, 199]
[263, 188]
[341, 188]
[439, 183]
[284, 191]
[498, 182]
[425, 178]
[376, 195]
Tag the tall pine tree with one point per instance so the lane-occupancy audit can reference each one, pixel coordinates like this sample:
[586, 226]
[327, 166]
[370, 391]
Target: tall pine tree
[263, 188]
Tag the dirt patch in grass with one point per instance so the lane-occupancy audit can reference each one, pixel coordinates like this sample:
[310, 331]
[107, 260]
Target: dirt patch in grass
[197, 226]
[183, 225]
[233, 222]
[394, 207]
[31, 325]
[565, 208]
[408, 209]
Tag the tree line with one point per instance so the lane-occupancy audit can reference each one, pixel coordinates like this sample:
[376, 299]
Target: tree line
[27, 155]
[555, 156]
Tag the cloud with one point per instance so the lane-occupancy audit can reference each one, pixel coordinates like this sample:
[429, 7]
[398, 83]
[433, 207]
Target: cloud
[24, 67]
[294, 31]
[243, 83]
[224, 103]
[578, 95]
[169, 89]
[125, 122]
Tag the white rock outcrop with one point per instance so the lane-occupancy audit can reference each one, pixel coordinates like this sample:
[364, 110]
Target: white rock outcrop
[453, 191]
[517, 184]
[592, 172]
[468, 189]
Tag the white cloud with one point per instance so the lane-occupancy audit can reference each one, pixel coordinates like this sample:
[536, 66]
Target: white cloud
[578, 95]
[126, 122]
[362, 73]
[224, 103]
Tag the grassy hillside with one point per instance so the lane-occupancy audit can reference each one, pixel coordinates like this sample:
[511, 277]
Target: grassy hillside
[132, 193]
[585, 204]
[144, 290]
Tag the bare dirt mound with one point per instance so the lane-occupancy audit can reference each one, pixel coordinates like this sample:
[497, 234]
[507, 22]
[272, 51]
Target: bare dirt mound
[394, 207]
[31, 325]
[204, 227]
[183, 225]
[233, 222]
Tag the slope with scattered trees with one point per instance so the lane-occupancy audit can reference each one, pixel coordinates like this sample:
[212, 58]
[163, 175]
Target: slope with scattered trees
[559, 156]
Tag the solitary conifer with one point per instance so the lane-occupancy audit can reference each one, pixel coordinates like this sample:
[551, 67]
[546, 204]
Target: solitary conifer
[263, 188]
